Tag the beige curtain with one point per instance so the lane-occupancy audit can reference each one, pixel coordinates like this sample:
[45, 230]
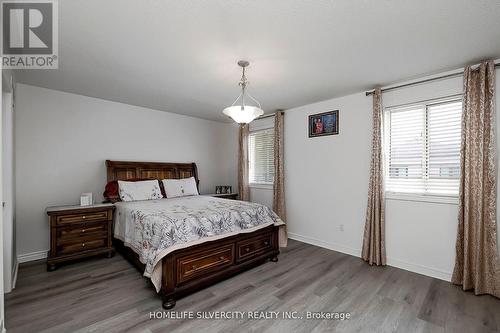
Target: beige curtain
[243, 190]
[476, 263]
[374, 236]
[279, 176]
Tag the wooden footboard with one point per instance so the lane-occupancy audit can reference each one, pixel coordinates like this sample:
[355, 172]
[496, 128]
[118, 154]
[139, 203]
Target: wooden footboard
[187, 270]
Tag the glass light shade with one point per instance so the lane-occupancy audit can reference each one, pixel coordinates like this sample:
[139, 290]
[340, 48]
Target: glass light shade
[245, 115]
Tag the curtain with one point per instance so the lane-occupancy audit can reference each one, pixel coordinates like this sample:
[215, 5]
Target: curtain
[243, 190]
[374, 235]
[279, 176]
[476, 262]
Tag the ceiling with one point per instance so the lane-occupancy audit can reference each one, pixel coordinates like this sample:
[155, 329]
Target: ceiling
[180, 56]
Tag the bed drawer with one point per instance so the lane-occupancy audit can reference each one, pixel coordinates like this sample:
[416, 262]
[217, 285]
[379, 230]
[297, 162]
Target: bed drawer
[203, 263]
[81, 246]
[253, 247]
[75, 218]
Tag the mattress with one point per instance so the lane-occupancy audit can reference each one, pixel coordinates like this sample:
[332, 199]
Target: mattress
[155, 228]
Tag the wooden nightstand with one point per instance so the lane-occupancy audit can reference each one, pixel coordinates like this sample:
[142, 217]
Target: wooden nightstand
[232, 196]
[78, 232]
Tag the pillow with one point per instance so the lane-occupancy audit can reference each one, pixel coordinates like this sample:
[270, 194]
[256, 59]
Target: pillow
[180, 187]
[141, 190]
[112, 194]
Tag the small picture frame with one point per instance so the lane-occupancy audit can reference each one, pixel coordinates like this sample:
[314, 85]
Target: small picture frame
[223, 189]
[86, 199]
[326, 123]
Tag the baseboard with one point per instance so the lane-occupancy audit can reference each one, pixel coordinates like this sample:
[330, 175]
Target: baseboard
[31, 256]
[326, 245]
[415, 268]
[14, 273]
[424, 270]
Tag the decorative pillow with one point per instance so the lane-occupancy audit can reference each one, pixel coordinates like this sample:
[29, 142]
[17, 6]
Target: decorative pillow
[141, 190]
[180, 187]
[112, 194]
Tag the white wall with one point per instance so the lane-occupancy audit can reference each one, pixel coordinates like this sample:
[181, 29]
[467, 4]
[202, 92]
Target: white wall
[9, 226]
[62, 141]
[326, 177]
[262, 195]
[2, 307]
[327, 184]
[8, 190]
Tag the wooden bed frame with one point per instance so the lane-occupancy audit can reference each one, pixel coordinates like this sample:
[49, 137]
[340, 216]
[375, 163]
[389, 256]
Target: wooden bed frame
[187, 270]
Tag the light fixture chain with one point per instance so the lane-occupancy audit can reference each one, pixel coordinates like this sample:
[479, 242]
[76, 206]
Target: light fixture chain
[243, 84]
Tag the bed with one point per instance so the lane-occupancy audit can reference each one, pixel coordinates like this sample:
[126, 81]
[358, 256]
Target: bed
[187, 243]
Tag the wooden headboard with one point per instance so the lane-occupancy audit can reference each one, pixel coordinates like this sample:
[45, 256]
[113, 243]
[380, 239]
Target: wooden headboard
[120, 170]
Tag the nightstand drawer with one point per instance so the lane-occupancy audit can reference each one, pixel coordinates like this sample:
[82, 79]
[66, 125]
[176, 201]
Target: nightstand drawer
[75, 218]
[98, 229]
[80, 246]
[83, 238]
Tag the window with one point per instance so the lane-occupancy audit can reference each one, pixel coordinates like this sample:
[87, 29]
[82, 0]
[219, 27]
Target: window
[422, 148]
[261, 157]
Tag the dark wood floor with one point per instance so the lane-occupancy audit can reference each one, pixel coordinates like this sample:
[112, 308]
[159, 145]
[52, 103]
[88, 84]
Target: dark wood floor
[109, 295]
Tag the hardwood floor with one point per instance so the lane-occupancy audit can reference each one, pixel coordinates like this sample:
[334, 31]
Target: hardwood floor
[110, 295]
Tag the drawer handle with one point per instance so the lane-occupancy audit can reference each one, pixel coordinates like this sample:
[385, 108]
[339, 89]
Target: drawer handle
[266, 243]
[83, 244]
[83, 230]
[84, 217]
[247, 249]
[194, 267]
[222, 258]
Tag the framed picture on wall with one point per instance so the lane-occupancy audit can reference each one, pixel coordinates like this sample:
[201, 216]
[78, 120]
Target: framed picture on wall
[326, 123]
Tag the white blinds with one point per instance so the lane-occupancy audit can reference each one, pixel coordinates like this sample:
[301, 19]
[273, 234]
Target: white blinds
[261, 156]
[405, 153]
[444, 134]
[423, 148]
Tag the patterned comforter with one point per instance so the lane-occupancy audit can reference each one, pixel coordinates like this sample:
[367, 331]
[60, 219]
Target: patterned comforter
[154, 228]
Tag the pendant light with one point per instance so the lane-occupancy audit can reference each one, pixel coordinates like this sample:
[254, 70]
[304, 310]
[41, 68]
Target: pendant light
[239, 111]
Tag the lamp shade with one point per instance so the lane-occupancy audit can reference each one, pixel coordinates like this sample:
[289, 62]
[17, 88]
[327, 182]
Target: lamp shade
[243, 115]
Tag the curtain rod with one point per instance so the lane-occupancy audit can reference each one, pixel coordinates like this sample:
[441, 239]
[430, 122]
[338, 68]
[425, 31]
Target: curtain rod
[447, 76]
[269, 115]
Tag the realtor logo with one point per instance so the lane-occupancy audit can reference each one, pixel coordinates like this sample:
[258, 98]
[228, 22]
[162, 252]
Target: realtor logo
[29, 34]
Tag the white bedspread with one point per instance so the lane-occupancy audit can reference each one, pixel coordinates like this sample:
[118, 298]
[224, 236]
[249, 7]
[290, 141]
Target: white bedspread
[155, 228]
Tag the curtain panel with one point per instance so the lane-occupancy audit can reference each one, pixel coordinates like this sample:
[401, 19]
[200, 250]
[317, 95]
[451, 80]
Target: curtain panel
[279, 175]
[243, 189]
[477, 264]
[373, 250]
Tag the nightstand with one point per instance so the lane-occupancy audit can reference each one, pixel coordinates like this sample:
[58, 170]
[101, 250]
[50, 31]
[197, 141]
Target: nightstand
[232, 196]
[78, 232]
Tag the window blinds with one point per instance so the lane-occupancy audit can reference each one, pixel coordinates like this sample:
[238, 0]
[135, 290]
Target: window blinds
[423, 148]
[261, 156]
